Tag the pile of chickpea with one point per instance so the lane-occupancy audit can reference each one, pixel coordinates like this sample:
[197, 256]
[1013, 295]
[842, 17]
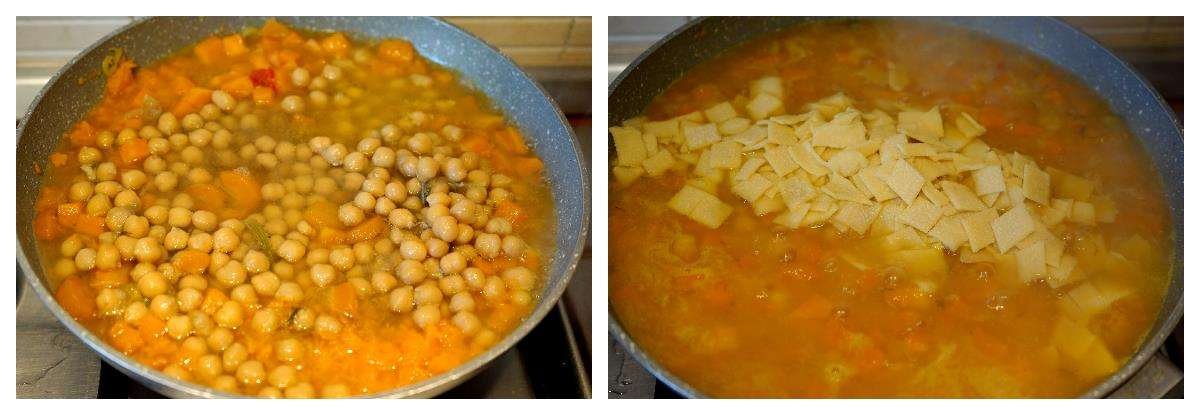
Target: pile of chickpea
[437, 200]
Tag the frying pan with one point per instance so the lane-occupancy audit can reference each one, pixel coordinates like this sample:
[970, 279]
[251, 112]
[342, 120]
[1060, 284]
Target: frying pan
[1129, 95]
[64, 101]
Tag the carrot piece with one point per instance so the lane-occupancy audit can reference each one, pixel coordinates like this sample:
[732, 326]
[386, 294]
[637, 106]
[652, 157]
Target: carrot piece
[272, 28]
[125, 338]
[110, 278]
[528, 166]
[234, 45]
[83, 134]
[191, 261]
[68, 213]
[207, 195]
[46, 226]
[132, 152]
[263, 95]
[90, 225]
[329, 236]
[150, 326]
[366, 231]
[510, 210]
[59, 159]
[210, 50]
[75, 296]
[120, 78]
[191, 101]
[343, 299]
[396, 51]
[240, 87]
[322, 214]
[244, 190]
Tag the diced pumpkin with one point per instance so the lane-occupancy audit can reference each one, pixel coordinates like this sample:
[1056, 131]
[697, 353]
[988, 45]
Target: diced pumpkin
[343, 299]
[132, 152]
[210, 51]
[366, 231]
[75, 296]
[234, 45]
[192, 261]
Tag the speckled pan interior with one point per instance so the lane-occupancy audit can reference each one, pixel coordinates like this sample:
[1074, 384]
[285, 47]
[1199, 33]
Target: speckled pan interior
[1128, 93]
[65, 100]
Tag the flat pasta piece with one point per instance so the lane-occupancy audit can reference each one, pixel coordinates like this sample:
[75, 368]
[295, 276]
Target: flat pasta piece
[905, 180]
[1013, 226]
[922, 126]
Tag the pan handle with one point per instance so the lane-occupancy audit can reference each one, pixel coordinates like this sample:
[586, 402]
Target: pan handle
[1157, 377]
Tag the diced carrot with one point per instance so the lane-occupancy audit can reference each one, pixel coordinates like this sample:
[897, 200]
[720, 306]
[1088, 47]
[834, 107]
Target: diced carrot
[210, 50]
[322, 214]
[343, 299]
[234, 45]
[90, 225]
[396, 51]
[59, 159]
[510, 210]
[75, 296]
[68, 213]
[263, 95]
[240, 87]
[132, 152]
[191, 101]
[335, 44]
[528, 166]
[125, 338]
[83, 135]
[208, 196]
[191, 261]
[150, 325]
[366, 231]
[110, 278]
[244, 190]
[329, 236]
[46, 226]
[477, 143]
[120, 78]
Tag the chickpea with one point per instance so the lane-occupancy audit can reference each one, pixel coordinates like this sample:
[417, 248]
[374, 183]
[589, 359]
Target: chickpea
[157, 214]
[427, 315]
[322, 274]
[291, 251]
[350, 214]
[499, 226]
[428, 293]
[201, 241]
[89, 155]
[208, 366]
[303, 319]
[454, 170]
[437, 247]
[231, 274]
[292, 104]
[520, 298]
[493, 288]
[219, 338]
[179, 217]
[256, 262]
[384, 207]
[402, 218]
[383, 282]
[81, 191]
[85, 259]
[264, 321]
[282, 376]
[148, 250]
[188, 299]
[332, 73]
[364, 201]
[400, 299]
[427, 168]
[520, 278]
[244, 293]
[384, 157]
[289, 350]
[335, 154]
[223, 100]
[98, 205]
[135, 311]
[110, 301]
[463, 301]
[152, 284]
[225, 240]
[230, 315]
[514, 246]
[71, 245]
[225, 383]
[413, 249]
[251, 372]
[319, 99]
[128, 199]
[336, 390]
[289, 292]
[467, 322]
[452, 263]
[327, 326]
[179, 327]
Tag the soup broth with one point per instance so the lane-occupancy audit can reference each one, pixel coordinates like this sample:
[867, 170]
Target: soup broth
[750, 307]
